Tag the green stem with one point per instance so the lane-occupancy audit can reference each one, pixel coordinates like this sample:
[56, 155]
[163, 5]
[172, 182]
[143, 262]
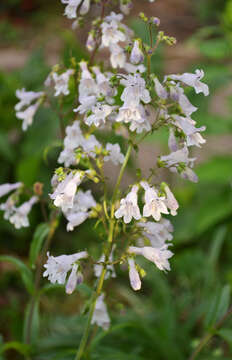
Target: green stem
[85, 336]
[209, 335]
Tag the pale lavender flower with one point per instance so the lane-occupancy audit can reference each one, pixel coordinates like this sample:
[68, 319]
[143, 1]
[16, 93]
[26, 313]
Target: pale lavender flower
[100, 315]
[115, 154]
[134, 275]
[6, 188]
[154, 204]
[159, 256]
[128, 207]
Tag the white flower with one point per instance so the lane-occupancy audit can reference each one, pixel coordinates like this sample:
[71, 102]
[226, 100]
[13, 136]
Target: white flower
[159, 256]
[99, 115]
[135, 90]
[82, 203]
[117, 56]
[100, 315]
[63, 195]
[27, 115]
[180, 157]
[115, 154]
[73, 139]
[177, 94]
[90, 144]
[111, 34]
[130, 68]
[6, 188]
[129, 113]
[125, 8]
[8, 207]
[19, 216]
[157, 232]
[72, 5]
[136, 55]
[61, 82]
[154, 204]
[160, 89]
[187, 125]
[193, 80]
[176, 157]
[103, 85]
[58, 267]
[134, 275]
[128, 207]
[87, 85]
[26, 98]
[117, 18]
[170, 201]
[86, 103]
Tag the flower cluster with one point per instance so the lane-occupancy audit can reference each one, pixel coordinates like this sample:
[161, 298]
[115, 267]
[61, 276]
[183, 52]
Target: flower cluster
[122, 100]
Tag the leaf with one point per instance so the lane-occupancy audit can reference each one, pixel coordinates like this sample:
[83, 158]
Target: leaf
[31, 321]
[226, 334]
[40, 234]
[218, 306]
[21, 348]
[25, 272]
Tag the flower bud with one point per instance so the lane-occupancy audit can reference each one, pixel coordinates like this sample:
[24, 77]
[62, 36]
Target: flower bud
[134, 275]
[136, 56]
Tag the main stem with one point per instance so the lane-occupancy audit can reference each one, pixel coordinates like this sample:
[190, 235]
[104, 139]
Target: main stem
[85, 336]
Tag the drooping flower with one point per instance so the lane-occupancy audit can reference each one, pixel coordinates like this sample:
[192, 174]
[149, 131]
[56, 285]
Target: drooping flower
[100, 315]
[61, 82]
[19, 216]
[179, 161]
[27, 115]
[157, 232]
[128, 207]
[58, 267]
[193, 80]
[26, 98]
[159, 256]
[170, 200]
[6, 188]
[160, 89]
[154, 204]
[134, 275]
[115, 154]
[72, 5]
[64, 194]
[82, 203]
[99, 115]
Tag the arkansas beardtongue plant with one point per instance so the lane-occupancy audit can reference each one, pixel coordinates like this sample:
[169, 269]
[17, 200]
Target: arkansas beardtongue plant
[126, 99]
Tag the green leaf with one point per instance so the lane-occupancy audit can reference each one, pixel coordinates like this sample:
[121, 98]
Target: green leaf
[226, 334]
[40, 234]
[218, 306]
[31, 321]
[21, 348]
[25, 272]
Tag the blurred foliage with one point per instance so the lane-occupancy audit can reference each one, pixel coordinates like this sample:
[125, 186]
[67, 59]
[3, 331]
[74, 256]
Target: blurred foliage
[167, 318]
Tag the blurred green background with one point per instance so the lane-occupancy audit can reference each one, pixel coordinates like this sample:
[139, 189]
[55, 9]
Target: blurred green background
[172, 312]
